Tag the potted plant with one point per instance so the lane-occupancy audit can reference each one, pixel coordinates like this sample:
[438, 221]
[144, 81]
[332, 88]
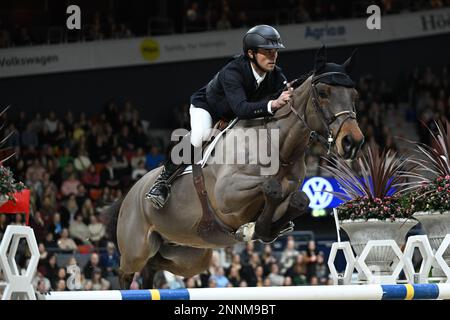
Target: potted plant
[374, 207]
[431, 201]
[8, 186]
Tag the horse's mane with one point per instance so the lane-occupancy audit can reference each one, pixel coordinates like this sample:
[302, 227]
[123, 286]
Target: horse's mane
[300, 80]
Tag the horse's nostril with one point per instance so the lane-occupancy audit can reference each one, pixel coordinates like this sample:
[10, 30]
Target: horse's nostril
[347, 142]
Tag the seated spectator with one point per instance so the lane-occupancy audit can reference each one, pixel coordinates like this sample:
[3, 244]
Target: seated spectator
[36, 171]
[82, 161]
[298, 271]
[268, 259]
[311, 259]
[220, 278]
[49, 241]
[78, 132]
[234, 277]
[96, 231]
[79, 231]
[66, 243]
[248, 271]
[139, 171]
[56, 226]
[247, 253]
[50, 270]
[98, 282]
[93, 263]
[110, 260]
[91, 178]
[259, 273]
[70, 186]
[69, 209]
[287, 281]
[322, 271]
[29, 138]
[120, 163]
[288, 255]
[65, 159]
[108, 176]
[41, 284]
[276, 279]
[137, 158]
[43, 254]
[61, 285]
[81, 196]
[87, 210]
[154, 158]
[61, 275]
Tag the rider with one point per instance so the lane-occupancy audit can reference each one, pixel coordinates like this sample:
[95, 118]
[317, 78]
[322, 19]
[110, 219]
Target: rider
[249, 86]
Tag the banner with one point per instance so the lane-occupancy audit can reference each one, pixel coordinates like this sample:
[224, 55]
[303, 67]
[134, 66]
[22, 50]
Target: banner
[22, 205]
[216, 44]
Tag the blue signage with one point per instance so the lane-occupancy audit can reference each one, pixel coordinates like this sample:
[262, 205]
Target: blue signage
[318, 191]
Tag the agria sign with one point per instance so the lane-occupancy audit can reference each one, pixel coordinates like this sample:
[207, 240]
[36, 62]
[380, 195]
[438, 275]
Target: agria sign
[328, 31]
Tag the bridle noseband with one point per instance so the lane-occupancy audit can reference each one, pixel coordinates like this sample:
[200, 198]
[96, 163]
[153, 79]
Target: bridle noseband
[326, 122]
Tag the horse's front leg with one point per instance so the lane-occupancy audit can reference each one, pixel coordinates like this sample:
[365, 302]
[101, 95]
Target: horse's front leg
[297, 204]
[261, 228]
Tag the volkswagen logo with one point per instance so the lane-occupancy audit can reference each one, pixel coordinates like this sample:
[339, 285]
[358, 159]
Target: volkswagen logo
[316, 189]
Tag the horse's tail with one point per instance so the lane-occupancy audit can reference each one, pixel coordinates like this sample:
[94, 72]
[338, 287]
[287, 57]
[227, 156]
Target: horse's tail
[111, 215]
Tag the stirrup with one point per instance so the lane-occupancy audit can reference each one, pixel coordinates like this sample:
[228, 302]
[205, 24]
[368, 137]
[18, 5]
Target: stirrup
[286, 230]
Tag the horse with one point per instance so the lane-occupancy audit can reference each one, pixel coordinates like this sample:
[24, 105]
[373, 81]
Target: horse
[243, 204]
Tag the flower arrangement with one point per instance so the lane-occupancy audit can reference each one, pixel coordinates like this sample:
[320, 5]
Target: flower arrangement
[433, 172]
[8, 186]
[371, 186]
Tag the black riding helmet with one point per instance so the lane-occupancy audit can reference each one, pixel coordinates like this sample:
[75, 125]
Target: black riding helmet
[262, 36]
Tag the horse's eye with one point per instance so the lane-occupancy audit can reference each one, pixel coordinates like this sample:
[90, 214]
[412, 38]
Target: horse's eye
[323, 94]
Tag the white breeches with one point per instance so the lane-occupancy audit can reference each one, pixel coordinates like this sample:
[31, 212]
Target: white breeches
[201, 124]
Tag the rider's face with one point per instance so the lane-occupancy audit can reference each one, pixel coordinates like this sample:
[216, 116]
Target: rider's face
[266, 59]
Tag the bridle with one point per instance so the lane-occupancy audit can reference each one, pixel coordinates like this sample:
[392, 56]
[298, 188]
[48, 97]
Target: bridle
[327, 141]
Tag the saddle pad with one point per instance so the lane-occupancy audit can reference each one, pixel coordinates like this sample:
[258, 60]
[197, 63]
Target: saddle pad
[209, 149]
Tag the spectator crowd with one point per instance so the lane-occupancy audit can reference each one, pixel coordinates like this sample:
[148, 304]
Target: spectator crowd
[111, 21]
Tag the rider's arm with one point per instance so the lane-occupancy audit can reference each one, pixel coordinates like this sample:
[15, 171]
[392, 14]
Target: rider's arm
[237, 98]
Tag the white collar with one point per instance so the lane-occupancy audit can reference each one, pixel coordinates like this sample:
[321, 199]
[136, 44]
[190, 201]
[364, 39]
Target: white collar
[258, 78]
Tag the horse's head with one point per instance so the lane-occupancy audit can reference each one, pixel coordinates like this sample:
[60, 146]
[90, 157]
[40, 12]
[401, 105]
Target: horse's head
[332, 110]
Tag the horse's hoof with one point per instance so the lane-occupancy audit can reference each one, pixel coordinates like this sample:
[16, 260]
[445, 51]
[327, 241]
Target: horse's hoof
[299, 201]
[272, 188]
[245, 232]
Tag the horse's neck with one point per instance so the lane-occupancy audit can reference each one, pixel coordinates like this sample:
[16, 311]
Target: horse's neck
[294, 135]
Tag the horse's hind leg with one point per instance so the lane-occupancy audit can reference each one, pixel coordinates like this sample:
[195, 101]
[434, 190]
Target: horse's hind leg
[179, 260]
[125, 279]
[134, 255]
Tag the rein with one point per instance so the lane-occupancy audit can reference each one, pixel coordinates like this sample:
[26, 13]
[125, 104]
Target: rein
[328, 140]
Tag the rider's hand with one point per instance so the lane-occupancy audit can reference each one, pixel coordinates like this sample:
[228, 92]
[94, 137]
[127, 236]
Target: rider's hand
[283, 99]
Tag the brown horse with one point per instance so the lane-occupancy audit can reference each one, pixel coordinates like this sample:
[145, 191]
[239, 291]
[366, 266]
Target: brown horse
[246, 205]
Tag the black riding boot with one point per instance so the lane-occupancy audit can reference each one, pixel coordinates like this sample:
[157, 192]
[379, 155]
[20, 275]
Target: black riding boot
[160, 191]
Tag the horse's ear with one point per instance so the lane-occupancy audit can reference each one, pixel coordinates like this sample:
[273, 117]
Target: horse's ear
[350, 62]
[321, 59]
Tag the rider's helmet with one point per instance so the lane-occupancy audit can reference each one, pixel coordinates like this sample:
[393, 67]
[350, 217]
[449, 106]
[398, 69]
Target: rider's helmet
[262, 36]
